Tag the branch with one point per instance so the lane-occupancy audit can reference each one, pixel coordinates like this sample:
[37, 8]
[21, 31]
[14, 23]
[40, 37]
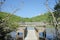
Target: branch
[50, 10]
[8, 16]
[54, 19]
[14, 11]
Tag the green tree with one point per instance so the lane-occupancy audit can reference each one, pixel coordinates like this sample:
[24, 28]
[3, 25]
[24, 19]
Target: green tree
[57, 10]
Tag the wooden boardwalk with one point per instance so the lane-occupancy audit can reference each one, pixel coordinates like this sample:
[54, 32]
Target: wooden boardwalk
[31, 32]
[31, 35]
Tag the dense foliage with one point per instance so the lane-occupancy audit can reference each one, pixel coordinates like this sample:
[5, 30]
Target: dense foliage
[8, 23]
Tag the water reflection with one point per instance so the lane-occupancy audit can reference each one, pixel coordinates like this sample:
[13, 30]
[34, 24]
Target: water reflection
[20, 34]
[13, 34]
[50, 33]
[30, 28]
[48, 36]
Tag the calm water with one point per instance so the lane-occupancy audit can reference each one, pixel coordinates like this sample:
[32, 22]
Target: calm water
[50, 33]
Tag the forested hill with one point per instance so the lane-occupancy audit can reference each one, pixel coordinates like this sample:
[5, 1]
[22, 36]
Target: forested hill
[14, 18]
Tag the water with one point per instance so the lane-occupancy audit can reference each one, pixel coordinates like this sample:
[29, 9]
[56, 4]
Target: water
[50, 33]
[30, 28]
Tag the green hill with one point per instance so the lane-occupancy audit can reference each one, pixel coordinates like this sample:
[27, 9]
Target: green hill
[38, 18]
[14, 18]
[10, 20]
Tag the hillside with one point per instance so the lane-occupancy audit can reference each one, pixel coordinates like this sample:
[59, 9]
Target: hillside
[14, 18]
[40, 18]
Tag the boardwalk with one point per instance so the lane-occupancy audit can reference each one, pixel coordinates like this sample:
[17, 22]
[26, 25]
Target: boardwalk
[31, 35]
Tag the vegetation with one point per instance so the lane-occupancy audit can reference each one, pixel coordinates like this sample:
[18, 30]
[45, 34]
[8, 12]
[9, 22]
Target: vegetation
[14, 18]
[56, 17]
[7, 24]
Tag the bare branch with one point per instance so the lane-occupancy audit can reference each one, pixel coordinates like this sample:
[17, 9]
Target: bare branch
[15, 10]
[8, 16]
[56, 1]
[54, 19]
[50, 10]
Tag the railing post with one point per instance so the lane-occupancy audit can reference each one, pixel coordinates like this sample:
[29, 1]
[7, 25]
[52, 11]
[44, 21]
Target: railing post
[44, 33]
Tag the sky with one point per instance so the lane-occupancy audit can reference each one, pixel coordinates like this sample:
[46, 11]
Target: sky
[27, 8]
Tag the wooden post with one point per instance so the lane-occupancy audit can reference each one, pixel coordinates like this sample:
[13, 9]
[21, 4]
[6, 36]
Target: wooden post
[44, 33]
[23, 35]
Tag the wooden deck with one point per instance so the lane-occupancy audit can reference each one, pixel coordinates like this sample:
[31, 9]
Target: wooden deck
[31, 34]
